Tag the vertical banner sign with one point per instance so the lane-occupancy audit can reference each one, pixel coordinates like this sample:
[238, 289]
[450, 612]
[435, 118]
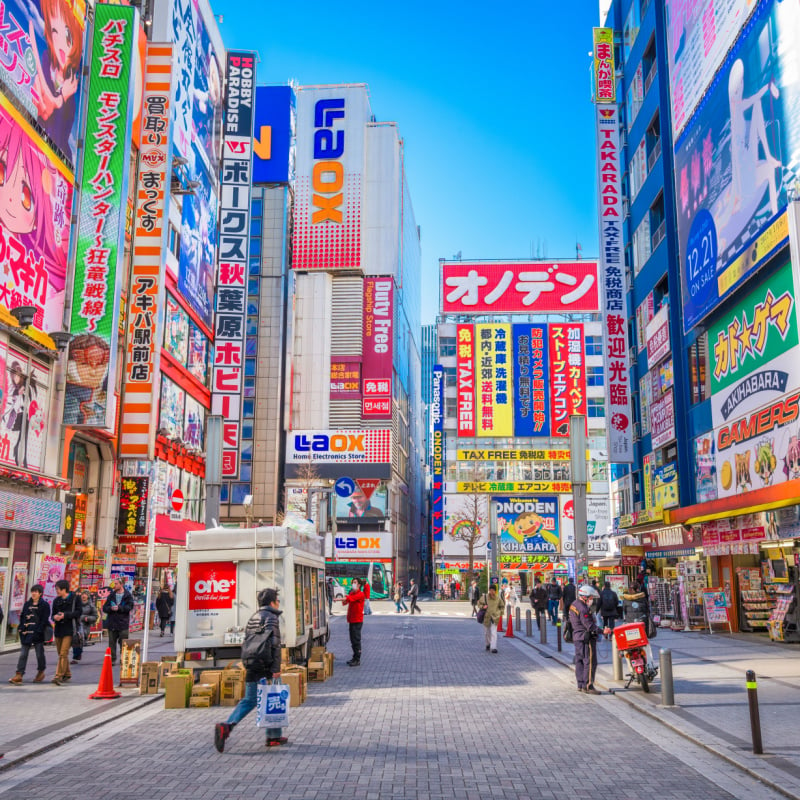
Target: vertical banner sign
[234, 245]
[437, 461]
[494, 380]
[531, 372]
[377, 358]
[133, 498]
[146, 305]
[605, 89]
[465, 376]
[567, 374]
[101, 225]
[614, 286]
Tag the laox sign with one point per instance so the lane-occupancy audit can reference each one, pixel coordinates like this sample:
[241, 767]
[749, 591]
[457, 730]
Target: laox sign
[327, 177]
[322, 443]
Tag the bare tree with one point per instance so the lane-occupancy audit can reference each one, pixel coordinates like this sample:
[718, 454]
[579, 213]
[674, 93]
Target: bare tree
[307, 476]
[469, 520]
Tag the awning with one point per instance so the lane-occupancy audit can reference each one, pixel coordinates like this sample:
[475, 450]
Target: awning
[173, 531]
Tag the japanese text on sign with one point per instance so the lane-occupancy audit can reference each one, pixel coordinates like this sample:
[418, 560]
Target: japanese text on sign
[494, 380]
[465, 377]
[604, 83]
[568, 375]
[532, 407]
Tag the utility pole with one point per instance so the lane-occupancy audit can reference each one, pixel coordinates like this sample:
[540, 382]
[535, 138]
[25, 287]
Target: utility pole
[213, 468]
[577, 465]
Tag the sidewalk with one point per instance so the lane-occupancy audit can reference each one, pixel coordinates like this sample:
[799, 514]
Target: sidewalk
[710, 695]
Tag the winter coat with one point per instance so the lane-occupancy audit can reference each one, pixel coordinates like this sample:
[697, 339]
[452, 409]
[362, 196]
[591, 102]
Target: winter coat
[635, 606]
[413, 590]
[474, 593]
[88, 617]
[569, 594]
[584, 622]
[355, 606]
[70, 607]
[494, 608]
[270, 618]
[33, 620]
[608, 603]
[553, 591]
[119, 620]
[164, 604]
[539, 597]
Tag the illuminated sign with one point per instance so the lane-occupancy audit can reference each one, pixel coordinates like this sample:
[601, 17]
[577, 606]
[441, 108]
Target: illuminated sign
[531, 374]
[513, 455]
[378, 340]
[465, 377]
[567, 375]
[346, 446]
[515, 487]
[495, 382]
[605, 88]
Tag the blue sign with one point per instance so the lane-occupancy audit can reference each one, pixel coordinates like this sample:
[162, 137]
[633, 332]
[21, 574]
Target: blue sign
[532, 406]
[344, 487]
[272, 134]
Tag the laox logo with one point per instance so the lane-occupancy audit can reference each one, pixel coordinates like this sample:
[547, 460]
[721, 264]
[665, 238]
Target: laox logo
[358, 543]
[322, 443]
[327, 177]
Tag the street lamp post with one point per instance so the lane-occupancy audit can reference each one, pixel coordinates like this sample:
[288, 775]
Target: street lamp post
[577, 464]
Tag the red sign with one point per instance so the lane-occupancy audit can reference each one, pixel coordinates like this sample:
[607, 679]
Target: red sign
[368, 485]
[465, 371]
[533, 287]
[177, 500]
[345, 379]
[376, 362]
[567, 375]
[212, 585]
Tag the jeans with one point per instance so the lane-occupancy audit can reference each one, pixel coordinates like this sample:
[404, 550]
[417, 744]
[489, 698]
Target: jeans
[355, 639]
[77, 652]
[62, 648]
[399, 603]
[552, 610]
[22, 662]
[491, 635]
[113, 638]
[246, 705]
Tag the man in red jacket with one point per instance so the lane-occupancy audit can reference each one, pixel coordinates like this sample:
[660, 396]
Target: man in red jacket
[355, 618]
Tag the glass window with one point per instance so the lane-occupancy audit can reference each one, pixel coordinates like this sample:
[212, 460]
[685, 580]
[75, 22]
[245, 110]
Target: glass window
[255, 247]
[450, 376]
[247, 430]
[595, 407]
[251, 346]
[249, 387]
[698, 370]
[252, 326]
[252, 287]
[248, 411]
[238, 492]
[255, 266]
[250, 367]
[252, 305]
[594, 346]
[224, 492]
[245, 471]
[594, 376]
[246, 451]
[447, 346]
[255, 207]
[255, 229]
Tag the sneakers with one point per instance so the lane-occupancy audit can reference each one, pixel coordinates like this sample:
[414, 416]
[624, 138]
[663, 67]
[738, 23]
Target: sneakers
[354, 662]
[277, 742]
[75, 661]
[17, 679]
[56, 681]
[221, 733]
[39, 677]
[494, 651]
[487, 648]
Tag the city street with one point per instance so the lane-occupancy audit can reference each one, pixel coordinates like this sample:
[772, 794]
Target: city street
[428, 714]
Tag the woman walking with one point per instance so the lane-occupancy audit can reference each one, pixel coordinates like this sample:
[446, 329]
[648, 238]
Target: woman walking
[493, 604]
[164, 604]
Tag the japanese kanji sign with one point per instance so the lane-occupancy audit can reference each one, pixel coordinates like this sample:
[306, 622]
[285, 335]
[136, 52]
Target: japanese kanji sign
[657, 337]
[494, 379]
[132, 520]
[437, 454]
[519, 287]
[531, 374]
[346, 379]
[567, 375]
[605, 87]
[485, 487]
[146, 296]
[465, 379]
[614, 287]
[233, 252]
[378, 341]
[662, 420]
[101, 225]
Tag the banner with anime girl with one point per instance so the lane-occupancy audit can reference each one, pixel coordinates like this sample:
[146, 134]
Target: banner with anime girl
[35, 210]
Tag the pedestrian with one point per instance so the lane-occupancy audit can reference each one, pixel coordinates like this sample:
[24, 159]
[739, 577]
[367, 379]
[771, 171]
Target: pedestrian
[510, 597]
[635, 606]
[66, 612]
[365, 587]
[172, 610]
[355, 619]
[399, 600]
[553, 599]
[87, 618]
[609, 603]
[584, 635]
[329, 594]
[474, 596]
[33, 621]
[413, 593]
[118, 607]
[164, 603]
[453, 589]
[539, 601]
[493, 604]
[568, 595]
[268, 666]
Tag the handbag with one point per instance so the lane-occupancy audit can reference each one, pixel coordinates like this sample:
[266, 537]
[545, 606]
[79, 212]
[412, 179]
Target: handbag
[272, 704]
[481, 615]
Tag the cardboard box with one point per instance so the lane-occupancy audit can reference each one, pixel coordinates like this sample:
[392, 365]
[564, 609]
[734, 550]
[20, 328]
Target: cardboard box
[302, 679]
[148, 678]
[317, 653]
[165, 668]
[195, 701]
[204, 690]
[329, 665]
[285, 656]
[317, 674]
[294, 681]
[212, 676]
[177, 690]
[231, 688]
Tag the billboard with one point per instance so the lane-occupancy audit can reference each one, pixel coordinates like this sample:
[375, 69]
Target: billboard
[35, 212]
[371, 506]
[328, 186]
[736, 160]
[437, 454]
[339, 447]
[377, 350]
[531, 374]
[465, 380]
[101, 225]
[657, 337]
[513, 487]
[41, 67]
[567, 375]
[598, 524]
[699, 34]
[234, 250]
[662, 420]
[146, 300]
[495, 383]
[614, 285]
[519, 287]
[345, 378]
[132, 519]
[527, 525]
[366, 544]
[272, 134]
[605, 87]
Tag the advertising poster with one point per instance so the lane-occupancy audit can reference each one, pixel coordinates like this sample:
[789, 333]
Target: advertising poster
[531, 374]
[645, 393]
[197, 356]
[528, 525]
[176, 331]
[648, 462]
[598, 523]
[716, 605]
[124, 568]
[51, 571]
[662, 420]
[170, 420]
[193, 423]
[520, 287]
[494, 377]
[101, 228]
[567, 375]
[605, 89]
[346, 379]
[328, 186]
[378, 348]
[133, 497]
[736, 159]
[665, 486]
[437, 454]
[644, 313]
[35, 211]
[706, 468]
[212, 594]
[657, 336]
[19, 586]
[365, 502]
[465, 379]
[272, 133]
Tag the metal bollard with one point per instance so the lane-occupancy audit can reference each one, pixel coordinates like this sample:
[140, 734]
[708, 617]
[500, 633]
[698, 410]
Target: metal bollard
[528, 627]
[616, 662]
[543, 631]
[667, 688]
[755, 719]
[518, 625]
[558, 635]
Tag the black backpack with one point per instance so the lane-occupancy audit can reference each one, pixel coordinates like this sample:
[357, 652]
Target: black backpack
[257, 647]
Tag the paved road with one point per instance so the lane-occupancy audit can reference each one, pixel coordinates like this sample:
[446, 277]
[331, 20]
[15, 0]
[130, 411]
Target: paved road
[428, 714]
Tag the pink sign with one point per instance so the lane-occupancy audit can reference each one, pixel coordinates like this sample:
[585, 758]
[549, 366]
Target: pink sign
[376, 363]
[662, 420]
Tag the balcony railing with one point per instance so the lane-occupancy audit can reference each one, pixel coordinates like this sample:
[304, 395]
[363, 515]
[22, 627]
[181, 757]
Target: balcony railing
[654, 155]
[659, 234]
[651, 76]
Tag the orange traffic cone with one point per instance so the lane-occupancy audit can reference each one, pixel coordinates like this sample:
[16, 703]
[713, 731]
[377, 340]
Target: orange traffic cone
[510, 628]
[105, 689]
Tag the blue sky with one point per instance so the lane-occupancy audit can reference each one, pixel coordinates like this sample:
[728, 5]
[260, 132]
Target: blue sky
[494, 107]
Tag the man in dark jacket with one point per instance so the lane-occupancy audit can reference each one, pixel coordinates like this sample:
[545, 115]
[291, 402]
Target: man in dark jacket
[66, 612]
[553, 598]
[609, 603]
[117, 608]
[87, 618]
[474, 596]
[413, 593]
[32, 623]
[568, 595]
[585, 633]
[164, 603]
[539, 600]
[268, 616]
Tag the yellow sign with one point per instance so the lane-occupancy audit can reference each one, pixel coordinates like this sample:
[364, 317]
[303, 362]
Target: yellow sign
[605, 88]
[515, 487]
[514, 455]
[494, 380]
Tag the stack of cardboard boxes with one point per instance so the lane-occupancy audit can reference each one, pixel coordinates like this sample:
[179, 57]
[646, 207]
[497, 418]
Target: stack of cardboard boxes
[320, 665]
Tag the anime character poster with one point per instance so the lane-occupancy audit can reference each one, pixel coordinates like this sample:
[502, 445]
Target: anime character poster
[51, 571]
[176, 331]
[528, 525]
[172, 405]
[194, 420]
[197, 360]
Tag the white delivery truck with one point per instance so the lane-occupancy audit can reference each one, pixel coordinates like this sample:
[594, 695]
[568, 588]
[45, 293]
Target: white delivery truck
[219, 576]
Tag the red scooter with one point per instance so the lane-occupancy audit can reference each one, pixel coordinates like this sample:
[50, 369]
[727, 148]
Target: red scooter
[632, 643]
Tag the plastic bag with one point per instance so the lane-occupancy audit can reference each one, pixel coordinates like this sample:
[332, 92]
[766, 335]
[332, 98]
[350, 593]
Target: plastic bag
[272, 704]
